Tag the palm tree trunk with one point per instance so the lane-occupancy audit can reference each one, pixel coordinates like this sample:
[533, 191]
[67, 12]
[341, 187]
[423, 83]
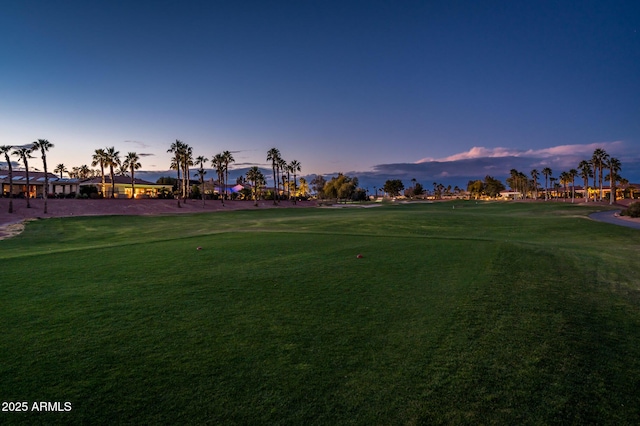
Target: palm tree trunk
[26, 166]
[103, 182]
[10, 185]
[46, 181]
[612, 193]
[226, 179]
[275, 182]
[113, 182]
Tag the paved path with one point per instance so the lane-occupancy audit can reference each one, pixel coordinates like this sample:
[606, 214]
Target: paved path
[610, 217]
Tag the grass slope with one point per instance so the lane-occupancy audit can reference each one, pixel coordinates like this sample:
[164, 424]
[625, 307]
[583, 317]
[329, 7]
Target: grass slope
[482, 313]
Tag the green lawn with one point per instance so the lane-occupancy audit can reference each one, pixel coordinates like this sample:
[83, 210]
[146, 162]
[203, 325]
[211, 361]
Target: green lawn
[488, 313]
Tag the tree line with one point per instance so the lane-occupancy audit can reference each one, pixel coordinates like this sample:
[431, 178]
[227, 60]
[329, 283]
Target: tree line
[595, 167]
[24, 154]
[340, 187]
[285, 174]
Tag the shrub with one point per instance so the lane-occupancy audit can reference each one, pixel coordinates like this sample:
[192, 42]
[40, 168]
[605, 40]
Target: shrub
[633, 210]
[88, 190]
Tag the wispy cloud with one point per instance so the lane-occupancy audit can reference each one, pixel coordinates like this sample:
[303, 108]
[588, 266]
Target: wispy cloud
[138, 144]
[243, 165]
[584, 150]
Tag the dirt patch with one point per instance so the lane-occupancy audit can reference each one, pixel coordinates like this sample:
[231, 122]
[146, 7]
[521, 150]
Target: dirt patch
[12, 224]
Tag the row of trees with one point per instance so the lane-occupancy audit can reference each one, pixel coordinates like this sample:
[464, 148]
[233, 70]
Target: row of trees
[339, 187]
[282, 171]
[24, 154]
[489, 187]
[592, 168]
[109, 157]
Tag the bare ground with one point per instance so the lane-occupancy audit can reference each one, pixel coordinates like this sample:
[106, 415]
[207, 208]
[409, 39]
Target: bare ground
[13, 223]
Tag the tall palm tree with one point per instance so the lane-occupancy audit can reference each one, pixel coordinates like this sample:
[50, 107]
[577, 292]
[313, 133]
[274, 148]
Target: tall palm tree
[547, 174]
[187, 161]
[514, 181]
[176, 162]
[201, 172]
[43, 146]
[572, 175]
[255, 176]
[100, 158]
[287, 168]
[554, 186]
[60, 168]
[112, 158]
[132, 163]
[598, 159]
[584, 168]
[6, 149]
[295, 167]
[273, 155]
[564, 180]
[24, 152]
[282, 167]
[218, 163]
[228, 158]
[535, 175]
[614, 165]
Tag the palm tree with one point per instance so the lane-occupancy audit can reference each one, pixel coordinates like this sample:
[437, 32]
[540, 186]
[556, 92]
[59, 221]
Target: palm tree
[554, 186]
[273, 155]
[218, 163]
[514, 181]
[572, 175]
[598, 159]
[255, 176]
[228, 158]
[112, 159]
[282, 167]
[84, 172]
[187, 161]
[614, 165]
[132, 163]
[584, 169]
[24, 152]
[100, 157]
[535, 175]
[201, 172]
[564, 180]
[43, 146]
[295, 167]
[547, 173]
[6, 149]
[60, 168]
[176, 162]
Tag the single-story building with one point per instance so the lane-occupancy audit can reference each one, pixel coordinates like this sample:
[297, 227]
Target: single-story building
[57, 186]
[122, 187]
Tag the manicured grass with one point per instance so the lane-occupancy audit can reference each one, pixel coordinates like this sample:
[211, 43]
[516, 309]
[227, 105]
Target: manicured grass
[483, 313]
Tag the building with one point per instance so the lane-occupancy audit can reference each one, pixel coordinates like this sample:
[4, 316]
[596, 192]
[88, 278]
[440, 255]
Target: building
[122, 187]
[58, 187]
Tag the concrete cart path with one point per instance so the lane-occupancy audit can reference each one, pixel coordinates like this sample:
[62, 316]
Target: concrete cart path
[611, 217]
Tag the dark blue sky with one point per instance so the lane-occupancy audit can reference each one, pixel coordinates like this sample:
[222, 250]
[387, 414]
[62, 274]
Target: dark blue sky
[372, 87]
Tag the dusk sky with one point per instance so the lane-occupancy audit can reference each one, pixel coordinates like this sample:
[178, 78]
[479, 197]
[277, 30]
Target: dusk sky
[437, 90]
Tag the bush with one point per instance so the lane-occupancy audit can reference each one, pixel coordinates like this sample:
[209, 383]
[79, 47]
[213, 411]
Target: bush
[88, 190]
[633, 210]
